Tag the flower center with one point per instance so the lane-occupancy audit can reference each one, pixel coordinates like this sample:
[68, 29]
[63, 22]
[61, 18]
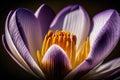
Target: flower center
[63, 39]
[67, 42]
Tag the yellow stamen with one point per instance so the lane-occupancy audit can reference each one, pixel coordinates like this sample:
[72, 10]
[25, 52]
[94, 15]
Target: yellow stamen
[83, 53]
[67, 42]
[68, 47]
[73, 50]
[48, 43]
[39, 57]
[49, 34]
[61, 38]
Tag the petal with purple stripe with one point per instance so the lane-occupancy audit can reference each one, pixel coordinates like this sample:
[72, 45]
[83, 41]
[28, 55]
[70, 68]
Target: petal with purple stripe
[105, 70]
[29, 29]
[55, 63]
[103, 38]
[13, 52]
[10, 53]
[45, 16]
[21, 46]
[105, 35]
[57, 23]
[77, 22]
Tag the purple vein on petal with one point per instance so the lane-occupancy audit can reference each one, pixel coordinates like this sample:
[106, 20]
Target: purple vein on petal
[104, 71]
[77, 22]
[25, 67]
[106, 37]
[45, 16]
[12, 47]
[102, 42]
[56, 63]
[59, 18]
[10, 53]
[29, 29]
[21, 47]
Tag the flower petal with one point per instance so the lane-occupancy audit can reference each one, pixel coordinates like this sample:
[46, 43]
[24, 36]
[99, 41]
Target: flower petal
[10, 53]
[10, 47]
[76, 21]
[106, 33]
[45, 16]
[55, 63]
[104, 71]
[58, 20]
[20, 45]
[18, 60]
[29, 29]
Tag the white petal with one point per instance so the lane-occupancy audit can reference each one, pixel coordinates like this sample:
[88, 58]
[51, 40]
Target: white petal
[77, 22]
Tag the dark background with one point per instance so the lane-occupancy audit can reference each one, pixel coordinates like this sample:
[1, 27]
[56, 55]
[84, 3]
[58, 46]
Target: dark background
[9, 70]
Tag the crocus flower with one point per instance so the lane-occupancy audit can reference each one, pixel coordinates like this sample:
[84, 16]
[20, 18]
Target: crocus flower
[67, 46]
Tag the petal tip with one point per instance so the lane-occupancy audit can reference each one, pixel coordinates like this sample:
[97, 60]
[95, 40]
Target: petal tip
[55, 63]
[57, 51]
[59, 19]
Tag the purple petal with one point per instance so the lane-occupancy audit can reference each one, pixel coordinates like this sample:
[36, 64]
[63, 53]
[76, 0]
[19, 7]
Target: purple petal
[80, 70]
[59, 19]
[106, 32]
[45, 16]
[55, 63]
[10, 47]
[29, 29]
[104, 71]
[103, 39]
[10, 53]
[20, 62]
[20, 44]
[115, 74]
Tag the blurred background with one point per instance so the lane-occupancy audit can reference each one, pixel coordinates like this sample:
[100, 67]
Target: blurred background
[9, 70]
